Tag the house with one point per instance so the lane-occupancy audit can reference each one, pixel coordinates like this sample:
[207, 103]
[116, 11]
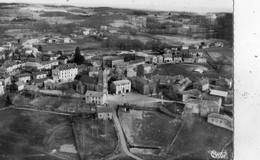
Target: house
[212, 98]
[184, 47]
[159, 59]
[144, 69]
[144, 86]
[167, 58]
[89, 31]
[63, 59]
[23, 77]
[219, 44]
[130, 72]
[39, 82]
[10, 67]
[68, 40]
[65, 73]
[49, 84]
[104, 113]
[138, 21]
[154, 59]
[188, 60]
[113, 61]
[5, 79]
[103, 28]
[2, 89]
[200, 60]
[202, 107]
[95, 97]
[189, 94]
[207, 107]
[33, 65]
[223, 121]
[202, 85]
[120, 86]
[49, 64]
[19, 86]
[40, 74]
[218, 93]
[177, 59]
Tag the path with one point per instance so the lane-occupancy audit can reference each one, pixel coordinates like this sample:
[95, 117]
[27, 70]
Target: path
[36, 110]
[121, 136]
[2, 109]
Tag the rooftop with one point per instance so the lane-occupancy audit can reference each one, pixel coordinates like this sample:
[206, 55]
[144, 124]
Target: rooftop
[94, 93]
[218, 93]
[121, 81]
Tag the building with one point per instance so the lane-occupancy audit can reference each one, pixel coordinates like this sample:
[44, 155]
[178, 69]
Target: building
[138, 21]
[159, 59]
[120, 86]
[189, 94]
[49, 64]
[130, 72]
[65, 73]
[177, 59]
[104, 113]
[88, 83]
[10, 67]
[202, 107]
[5, 79]
[33, 65]
[144, 86]
[114, 61]
[144, 69]
[39, 82]
[218, 93]
[19, 86]
[40, 74]
[202, 85]
[23, 77]
[95, 97]
[223, 121]
[167, 58]
[2, 88]
[201, 60]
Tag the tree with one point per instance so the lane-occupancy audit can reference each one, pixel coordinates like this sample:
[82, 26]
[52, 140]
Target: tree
[78, 58]
[40, 48]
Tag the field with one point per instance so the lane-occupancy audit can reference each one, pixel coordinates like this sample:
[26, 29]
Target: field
[29, 135]
[83, 44]
[95, 139]
[148, 128]
[198, 137]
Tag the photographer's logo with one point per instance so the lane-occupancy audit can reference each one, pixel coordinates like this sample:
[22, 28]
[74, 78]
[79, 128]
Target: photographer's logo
[218, 155]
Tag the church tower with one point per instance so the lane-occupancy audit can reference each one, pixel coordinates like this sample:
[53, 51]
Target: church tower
[102, 80]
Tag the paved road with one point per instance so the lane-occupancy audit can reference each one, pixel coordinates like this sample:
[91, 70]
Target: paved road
[121, 136]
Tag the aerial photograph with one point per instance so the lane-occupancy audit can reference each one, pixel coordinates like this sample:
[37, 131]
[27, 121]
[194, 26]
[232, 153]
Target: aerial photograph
[116, 80]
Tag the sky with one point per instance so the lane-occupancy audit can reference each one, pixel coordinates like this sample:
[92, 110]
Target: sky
[199, 6]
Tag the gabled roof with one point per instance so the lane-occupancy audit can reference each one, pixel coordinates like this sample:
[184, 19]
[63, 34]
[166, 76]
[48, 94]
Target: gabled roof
[85, 79]
[40, 73]
[202, 82]
[104, 110]
[218, 93]
[121, 81]
[19, 83]
[94, 93]
[220, 116]
[66, 67]
[23, 75]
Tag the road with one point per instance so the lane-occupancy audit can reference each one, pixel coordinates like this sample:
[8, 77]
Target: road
[121, 136]
[36, 110]
[137, 99]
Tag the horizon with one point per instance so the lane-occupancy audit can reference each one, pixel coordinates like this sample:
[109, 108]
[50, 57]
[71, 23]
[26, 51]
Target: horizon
[197, 6]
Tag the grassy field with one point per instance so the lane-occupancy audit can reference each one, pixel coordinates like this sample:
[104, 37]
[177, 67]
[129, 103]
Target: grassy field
[149, 129]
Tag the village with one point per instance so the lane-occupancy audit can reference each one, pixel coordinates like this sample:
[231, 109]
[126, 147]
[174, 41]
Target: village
[108, 87]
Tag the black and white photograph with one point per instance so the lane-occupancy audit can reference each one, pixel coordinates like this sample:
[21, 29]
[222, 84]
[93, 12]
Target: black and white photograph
[117, 80]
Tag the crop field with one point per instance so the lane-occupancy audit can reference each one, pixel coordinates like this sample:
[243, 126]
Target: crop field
[148, 128]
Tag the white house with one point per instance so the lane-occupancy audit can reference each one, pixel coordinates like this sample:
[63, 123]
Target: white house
[2, 91]
[65, 73]
[19, 85]
[95, 97]
[120, 86]
[223, 121]
[167, 57]
[23, 77]
[40, 74]
[49, 64]
[104, 113]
